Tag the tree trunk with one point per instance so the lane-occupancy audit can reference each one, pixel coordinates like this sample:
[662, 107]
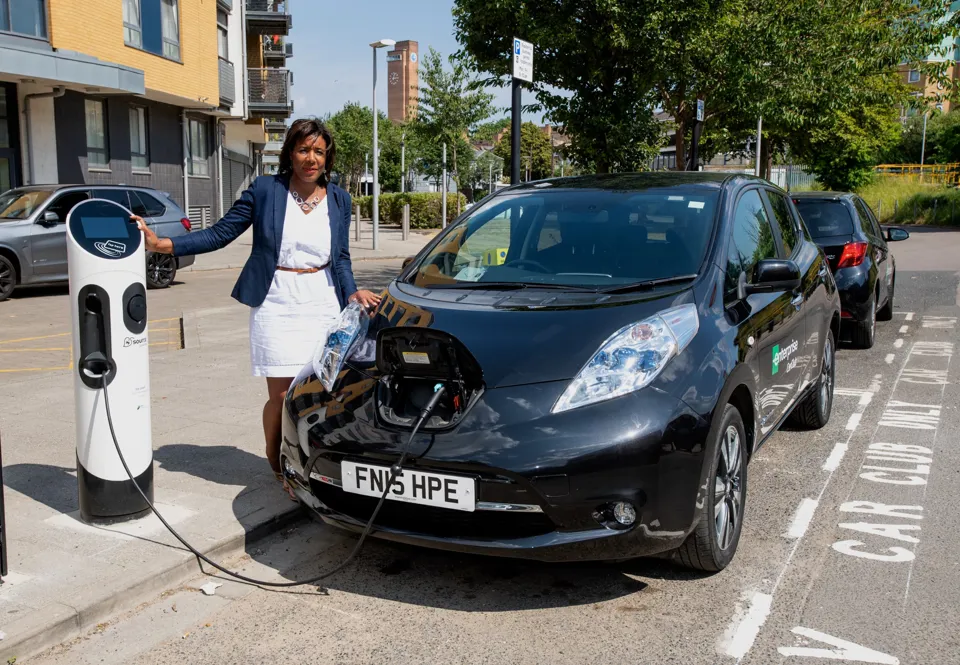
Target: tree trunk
[680, 148]
[603, 166]
[766, 157]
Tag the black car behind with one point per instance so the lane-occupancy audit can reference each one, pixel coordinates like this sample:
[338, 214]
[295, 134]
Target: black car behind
[614, 350]
[862, 264]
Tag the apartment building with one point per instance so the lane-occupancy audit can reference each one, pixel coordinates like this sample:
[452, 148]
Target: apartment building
[171, 94]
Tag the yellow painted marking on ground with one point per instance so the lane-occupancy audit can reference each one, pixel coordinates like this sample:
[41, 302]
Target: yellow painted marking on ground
[162, 343]
[36, 369]
[30, 339]
[153, 330]
[53, 348]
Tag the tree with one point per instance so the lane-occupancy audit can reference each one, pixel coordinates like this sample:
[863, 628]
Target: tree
[481, 169]
[488, 131]
[449, 108]
[352, 130]
[535, 152]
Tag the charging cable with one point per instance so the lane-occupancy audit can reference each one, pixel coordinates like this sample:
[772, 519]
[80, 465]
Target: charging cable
[395, 471]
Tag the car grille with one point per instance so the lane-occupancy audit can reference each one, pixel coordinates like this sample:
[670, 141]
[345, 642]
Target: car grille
[430, 521]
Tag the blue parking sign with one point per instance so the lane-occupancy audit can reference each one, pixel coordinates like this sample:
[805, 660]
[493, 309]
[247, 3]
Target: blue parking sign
[516, 47]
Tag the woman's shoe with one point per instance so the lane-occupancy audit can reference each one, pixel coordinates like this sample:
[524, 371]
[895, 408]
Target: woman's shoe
[286, 486]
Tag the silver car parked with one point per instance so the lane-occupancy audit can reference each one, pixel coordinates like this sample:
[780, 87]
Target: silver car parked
[33, 239]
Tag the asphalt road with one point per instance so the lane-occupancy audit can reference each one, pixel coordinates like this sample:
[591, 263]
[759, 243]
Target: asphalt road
[850, 552]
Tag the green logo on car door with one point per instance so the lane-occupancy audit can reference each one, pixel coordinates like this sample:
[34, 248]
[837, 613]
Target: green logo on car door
[776, 359]
[779, 356]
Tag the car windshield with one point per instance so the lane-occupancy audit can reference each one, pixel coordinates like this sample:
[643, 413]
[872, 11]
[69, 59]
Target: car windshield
[825, 218]
[589, 238]
[21, 203]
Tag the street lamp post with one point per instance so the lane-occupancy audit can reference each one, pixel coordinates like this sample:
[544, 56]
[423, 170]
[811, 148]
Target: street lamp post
[403, 174]
[376, 146]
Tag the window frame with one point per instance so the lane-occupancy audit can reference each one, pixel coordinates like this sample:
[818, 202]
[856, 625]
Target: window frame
[132, 29]
[778, 237]
[731, 244]
[910, 76]
[193, 159]
[223, 28]
[105, 165]
[140, 112]
[145, 212]
[44, 22]
[170, 45]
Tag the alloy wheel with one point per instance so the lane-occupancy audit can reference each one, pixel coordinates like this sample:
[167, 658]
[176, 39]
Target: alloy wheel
[728, 497]
[160, 269]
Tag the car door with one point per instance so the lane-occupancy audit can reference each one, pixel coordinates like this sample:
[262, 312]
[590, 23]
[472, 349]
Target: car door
[48, 240]
[878, 248]
[773, 320]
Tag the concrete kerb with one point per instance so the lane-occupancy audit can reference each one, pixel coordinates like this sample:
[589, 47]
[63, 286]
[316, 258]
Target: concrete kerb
[43, 629]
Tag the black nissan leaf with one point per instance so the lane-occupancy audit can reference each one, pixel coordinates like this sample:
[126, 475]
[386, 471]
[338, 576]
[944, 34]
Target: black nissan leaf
[608, 353]
[861, 261]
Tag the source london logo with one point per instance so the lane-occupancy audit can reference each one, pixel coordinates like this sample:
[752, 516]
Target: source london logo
[134, 341]
[779, 355]
[111, 248]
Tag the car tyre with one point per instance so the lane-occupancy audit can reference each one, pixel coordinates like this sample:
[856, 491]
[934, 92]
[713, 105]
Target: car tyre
[814, 411]
[886, 312]
[161, 270]
[8, 277]
[865, 332]
[713, 543]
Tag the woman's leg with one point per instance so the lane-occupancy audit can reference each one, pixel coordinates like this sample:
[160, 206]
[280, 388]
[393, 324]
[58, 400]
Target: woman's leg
[272, 410]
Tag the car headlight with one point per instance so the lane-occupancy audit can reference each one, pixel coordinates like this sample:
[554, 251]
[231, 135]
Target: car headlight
[631, 358]
[333, 351]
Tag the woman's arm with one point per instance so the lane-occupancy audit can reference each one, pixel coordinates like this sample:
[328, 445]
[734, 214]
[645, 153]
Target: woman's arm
[226, 230]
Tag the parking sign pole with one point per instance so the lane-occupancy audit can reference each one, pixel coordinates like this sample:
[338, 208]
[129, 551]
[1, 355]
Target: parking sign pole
[522, 71]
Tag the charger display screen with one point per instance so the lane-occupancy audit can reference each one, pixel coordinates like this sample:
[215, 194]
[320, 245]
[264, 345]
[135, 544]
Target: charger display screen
[101, 228]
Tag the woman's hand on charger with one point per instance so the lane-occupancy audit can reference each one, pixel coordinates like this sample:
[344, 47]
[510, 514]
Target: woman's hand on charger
[151, 241]
[367, 299]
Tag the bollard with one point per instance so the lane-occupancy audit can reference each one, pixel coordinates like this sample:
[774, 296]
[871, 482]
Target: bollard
[406, 221]
[933, 220]
[896, 205]
[880, 209]
[356, 227]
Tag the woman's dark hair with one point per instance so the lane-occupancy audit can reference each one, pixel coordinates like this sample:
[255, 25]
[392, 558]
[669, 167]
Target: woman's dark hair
[301, 130]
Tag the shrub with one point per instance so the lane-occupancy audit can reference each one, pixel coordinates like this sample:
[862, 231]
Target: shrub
[425, 208]
[900, 201]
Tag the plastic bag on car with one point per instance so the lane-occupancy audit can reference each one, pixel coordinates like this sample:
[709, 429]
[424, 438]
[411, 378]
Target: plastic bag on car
[343, 335]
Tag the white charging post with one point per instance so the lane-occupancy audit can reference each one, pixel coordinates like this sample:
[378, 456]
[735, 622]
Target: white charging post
[108, 304]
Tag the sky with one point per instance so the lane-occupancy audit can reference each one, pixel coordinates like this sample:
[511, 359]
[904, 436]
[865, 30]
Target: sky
[333, 61]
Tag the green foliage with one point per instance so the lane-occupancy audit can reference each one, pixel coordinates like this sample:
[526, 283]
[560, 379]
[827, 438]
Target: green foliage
[426, 208]
[352, 130]
[488, 131]
[535, 152]
[943, 140]
[906, 201]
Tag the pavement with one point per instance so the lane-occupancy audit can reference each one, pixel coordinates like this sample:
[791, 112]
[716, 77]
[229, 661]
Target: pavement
[211, 477]
[390, 241]
[834, 563]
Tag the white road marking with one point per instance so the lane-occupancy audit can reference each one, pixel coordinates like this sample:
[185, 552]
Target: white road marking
[801, 519]
[854, 421]
[746, 632]
[904, 329]
[890, 358]
[866, 398]
[909, 316]
[844, 650]
[898, 344]
[833, 462]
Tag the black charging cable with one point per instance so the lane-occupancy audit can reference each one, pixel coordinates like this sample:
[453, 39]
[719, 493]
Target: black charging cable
[395, 471]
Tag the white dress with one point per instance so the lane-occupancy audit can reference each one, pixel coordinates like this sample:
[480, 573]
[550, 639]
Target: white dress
[300, 307]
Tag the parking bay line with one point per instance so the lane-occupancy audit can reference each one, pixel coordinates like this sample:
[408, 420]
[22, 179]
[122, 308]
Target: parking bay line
[802, 519]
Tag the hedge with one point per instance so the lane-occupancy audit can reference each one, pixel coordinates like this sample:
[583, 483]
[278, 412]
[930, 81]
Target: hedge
[425, 208]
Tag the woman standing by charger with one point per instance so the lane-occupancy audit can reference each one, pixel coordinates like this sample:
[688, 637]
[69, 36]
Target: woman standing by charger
[298, 276]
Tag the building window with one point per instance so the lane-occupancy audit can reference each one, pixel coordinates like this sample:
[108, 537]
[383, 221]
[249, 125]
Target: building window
[197, 139]
[913, 76]
[96, 122]
[139, 153]
[152, 25]
[132, 34]
[24, 17]
[222, 35]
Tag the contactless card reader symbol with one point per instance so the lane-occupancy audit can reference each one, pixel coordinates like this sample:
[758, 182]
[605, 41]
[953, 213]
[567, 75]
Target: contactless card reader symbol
[111, 248]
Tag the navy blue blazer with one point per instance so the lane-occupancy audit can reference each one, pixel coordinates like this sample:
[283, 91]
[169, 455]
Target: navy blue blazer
[264, 205]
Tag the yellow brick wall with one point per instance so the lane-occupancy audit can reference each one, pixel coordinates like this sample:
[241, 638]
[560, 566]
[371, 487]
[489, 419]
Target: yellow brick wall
[95, 27]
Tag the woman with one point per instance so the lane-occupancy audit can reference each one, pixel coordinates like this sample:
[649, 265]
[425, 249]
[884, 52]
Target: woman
[299, 276]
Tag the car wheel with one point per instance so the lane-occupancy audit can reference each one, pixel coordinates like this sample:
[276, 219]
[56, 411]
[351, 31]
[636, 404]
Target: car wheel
[8, 278]
[865, 332]
[814, 411]
[714, 541]
[161, 269]
[886, 312]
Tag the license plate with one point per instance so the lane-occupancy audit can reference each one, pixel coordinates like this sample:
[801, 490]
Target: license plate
[420, 487]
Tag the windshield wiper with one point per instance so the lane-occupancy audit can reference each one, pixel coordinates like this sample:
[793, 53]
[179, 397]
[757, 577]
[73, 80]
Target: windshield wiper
[508, 286]
[648, 284]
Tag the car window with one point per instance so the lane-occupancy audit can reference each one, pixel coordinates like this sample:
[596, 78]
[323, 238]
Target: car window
[63, 204]
[115, 195]
[784, 220]
[825, 218]
[20, 204]
[145, 205]
[874, 223]
[752, 239]
[576, 237]
[864, 218]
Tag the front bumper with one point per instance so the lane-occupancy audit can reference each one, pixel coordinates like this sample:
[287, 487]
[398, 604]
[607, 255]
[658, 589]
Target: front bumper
[541, 478]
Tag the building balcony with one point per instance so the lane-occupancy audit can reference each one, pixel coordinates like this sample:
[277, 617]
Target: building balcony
[269, 92]
[228, 83]
[275, 126]
[269, 17]
[276, 52]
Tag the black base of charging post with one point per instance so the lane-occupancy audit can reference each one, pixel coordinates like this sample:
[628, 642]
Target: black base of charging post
[3, 522]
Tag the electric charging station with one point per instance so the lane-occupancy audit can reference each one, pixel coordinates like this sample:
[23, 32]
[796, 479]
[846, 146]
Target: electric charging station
[108, 304]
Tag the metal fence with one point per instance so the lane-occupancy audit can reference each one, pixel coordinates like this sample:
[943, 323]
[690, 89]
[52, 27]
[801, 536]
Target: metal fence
[938, 174]
[792, 177]
[269, 86]
[272, 6]
[228, 86]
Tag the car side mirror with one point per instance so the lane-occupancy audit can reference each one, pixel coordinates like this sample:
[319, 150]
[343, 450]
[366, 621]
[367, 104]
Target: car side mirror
[897, 234]
[407, 261]
[49, 219]
[769, 276]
